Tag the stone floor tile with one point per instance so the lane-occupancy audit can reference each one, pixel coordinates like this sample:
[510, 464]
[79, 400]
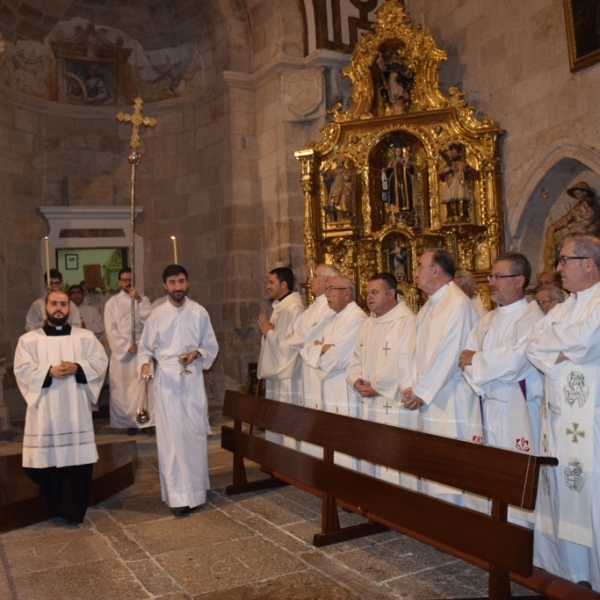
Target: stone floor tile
[199, 529]
[157, 581]
[41, 549]
[306, 585]
[227, 565]
[96, 581]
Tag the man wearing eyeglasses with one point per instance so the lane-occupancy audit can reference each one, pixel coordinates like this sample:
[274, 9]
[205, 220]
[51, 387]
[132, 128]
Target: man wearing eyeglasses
[565, 346]
[126, 390]
[330, 353]
[438, 390]
[494, 364]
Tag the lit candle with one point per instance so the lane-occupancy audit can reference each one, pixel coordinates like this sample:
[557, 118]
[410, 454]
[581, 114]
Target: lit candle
[47, 244]
[175, 249]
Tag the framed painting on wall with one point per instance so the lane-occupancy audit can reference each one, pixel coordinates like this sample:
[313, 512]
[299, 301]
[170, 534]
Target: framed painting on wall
[582, 18]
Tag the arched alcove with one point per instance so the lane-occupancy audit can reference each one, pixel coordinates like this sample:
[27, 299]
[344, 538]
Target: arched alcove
[564, 166]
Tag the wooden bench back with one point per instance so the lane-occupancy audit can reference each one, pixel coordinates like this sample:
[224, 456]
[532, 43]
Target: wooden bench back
[504, 475]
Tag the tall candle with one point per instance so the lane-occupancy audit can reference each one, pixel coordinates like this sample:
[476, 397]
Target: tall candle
[47, 244]
[175, 249]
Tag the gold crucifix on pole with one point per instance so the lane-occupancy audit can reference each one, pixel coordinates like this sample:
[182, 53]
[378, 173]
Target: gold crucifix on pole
[134, 160]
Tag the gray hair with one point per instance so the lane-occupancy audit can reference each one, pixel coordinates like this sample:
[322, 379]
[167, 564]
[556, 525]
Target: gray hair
[555, 294]
[348, 284]
[466, 279]
[586, 245]
[329, 270]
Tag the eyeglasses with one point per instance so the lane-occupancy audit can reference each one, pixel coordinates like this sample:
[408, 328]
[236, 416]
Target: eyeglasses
[562, 260]
[496, 277]
[331, 288]
[125, 280]
[419, 267]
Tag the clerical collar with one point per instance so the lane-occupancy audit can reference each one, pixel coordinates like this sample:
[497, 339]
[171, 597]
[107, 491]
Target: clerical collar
[282, 298]
[52, 330]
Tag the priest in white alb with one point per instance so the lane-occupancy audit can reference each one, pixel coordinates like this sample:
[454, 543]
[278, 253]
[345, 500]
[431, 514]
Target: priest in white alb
[330, 353]
[60, 371]
[308, 328]
[179, 337]
[279, 363]
[446, 404]
[126, 391]
[378, 368]
[565, 346]
[494, 364]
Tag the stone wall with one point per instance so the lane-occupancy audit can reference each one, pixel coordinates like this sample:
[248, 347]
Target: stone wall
[511, 59]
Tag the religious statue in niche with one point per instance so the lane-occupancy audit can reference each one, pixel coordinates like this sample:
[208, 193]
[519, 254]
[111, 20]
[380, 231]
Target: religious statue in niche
[395, 81]
[456, 176]
[397, 185]
[399, 261]
[341, 183]
[584, 217]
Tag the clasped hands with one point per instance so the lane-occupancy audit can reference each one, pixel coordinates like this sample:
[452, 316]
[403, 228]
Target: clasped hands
[65, 369]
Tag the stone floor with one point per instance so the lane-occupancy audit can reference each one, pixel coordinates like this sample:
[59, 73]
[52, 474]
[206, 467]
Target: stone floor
[249, 546]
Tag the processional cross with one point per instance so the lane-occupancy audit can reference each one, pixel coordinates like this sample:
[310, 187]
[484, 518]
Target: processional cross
[134, 160]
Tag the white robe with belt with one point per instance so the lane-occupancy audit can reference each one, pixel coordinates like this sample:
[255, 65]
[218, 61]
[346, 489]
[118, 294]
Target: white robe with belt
[308, 328]
[126, 390]
[58, 423]
[437, 339]
[180, 400]
[330, 368]
[380, 357]
[572, 328]
[499, 363]
[279, 363]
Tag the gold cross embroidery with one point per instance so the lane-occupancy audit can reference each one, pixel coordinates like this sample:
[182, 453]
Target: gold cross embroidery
[575, 433]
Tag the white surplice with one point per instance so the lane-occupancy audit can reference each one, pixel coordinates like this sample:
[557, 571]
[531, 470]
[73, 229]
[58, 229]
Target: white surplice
[91, 319]
[510, 389]
[58, 423]
[308, 328]
[572, 328]
[509, 419]
[437, 339]
[180, 400]
[36, 315]
[380, 357]
[330, 368]
[279, 363]
[126, 390]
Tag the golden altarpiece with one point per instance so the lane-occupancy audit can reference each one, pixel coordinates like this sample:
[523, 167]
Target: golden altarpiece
[405, 168]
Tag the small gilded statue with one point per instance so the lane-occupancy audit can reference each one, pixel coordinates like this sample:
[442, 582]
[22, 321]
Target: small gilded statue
[456, 175]
[340, 199]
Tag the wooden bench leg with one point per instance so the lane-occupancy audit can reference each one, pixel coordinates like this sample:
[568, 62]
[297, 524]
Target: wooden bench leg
[331, 532]
[499, 583]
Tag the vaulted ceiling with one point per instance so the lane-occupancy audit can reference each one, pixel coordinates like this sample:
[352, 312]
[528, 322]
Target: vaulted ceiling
[155, 24]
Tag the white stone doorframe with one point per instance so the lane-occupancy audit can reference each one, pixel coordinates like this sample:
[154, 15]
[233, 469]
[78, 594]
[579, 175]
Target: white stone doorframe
[61, 218]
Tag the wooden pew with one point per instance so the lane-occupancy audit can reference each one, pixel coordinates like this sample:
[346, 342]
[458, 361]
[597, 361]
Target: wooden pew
[504, 476]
